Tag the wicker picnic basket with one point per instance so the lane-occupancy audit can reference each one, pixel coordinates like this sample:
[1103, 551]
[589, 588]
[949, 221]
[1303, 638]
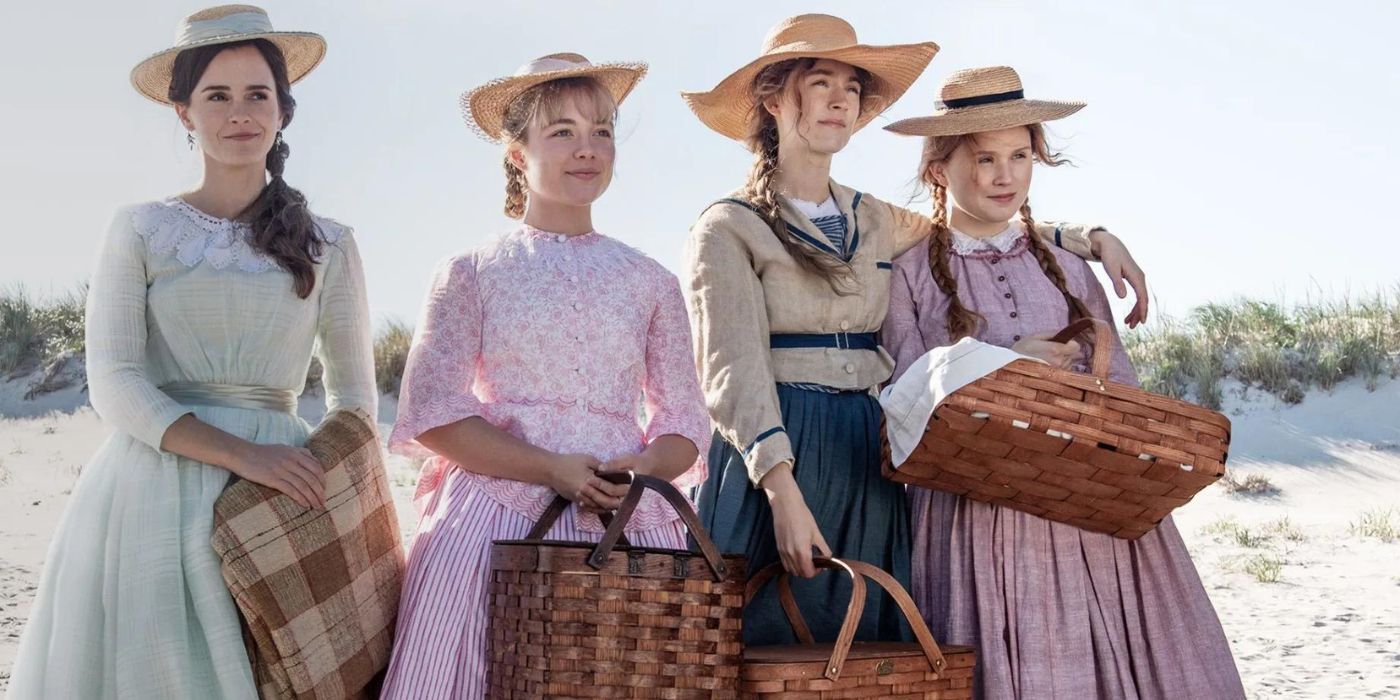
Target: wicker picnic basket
[849, 669]
[579, 620]
[1070, 447]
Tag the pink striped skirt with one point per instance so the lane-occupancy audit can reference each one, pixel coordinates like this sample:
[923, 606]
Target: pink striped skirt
[441, 643]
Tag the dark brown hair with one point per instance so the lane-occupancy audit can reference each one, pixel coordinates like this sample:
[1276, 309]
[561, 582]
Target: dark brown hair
[762, 139]
[282, 225]
[962, 321]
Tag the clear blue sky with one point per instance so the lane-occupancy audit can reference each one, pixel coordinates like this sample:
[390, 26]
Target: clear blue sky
[1242, 148]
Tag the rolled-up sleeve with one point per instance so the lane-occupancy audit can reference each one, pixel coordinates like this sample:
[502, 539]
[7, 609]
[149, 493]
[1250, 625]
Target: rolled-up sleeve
[730, 323]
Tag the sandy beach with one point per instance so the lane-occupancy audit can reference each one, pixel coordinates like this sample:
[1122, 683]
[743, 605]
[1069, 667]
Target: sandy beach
[1310, 602]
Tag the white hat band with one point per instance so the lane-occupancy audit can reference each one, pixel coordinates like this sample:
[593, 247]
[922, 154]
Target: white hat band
[237, 23]
[545, 65]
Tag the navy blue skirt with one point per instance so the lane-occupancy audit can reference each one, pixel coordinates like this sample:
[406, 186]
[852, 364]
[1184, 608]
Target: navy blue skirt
[835, 439]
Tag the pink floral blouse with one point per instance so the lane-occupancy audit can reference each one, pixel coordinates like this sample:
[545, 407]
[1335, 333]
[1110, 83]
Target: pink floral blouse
[574, 344]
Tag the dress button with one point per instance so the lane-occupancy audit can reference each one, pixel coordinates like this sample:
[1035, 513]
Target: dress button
[561, 238]
[850, 368]
[1001, 278]
[845, 325]
[573, 278]
[1015, 337]
[578, 306]
[996, 260]
[1013, 314]
[1008, 295]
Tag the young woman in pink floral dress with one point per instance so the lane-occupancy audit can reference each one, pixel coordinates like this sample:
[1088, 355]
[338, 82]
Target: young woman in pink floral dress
[533, 356]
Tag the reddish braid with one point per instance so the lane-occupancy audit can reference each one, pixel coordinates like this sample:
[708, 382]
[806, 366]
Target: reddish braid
[1051, 267]
[962, 321]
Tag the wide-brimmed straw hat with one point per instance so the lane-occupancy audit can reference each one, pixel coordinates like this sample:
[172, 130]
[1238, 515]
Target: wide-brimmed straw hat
[484, 107]
[727, 107]
[226, 24]
[983, 99]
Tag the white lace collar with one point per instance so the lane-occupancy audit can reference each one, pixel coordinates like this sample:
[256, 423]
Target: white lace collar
[1003, 242]
[173, 227]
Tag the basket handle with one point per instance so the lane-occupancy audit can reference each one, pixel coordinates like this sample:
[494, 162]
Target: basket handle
[854, 608]
[551, 515]
[1103, 336]
[858, 571]
[640, 483]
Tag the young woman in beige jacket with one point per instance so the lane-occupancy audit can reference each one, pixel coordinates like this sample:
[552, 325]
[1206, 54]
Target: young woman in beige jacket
[789, 281]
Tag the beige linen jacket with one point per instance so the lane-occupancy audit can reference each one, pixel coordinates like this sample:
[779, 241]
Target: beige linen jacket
[744, 286]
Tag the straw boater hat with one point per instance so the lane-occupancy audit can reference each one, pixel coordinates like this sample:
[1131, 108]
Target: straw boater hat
[484, 107]
[224, 25]
[982, 99]
[726, 108]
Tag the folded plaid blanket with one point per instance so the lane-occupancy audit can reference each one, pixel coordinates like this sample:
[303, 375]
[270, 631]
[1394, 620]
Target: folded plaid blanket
[318, 589]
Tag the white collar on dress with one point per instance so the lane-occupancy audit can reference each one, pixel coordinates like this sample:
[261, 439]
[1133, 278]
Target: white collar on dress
[173, 227]
[1003, 242]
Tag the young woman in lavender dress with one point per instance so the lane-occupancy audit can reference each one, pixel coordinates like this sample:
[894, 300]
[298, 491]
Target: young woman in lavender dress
[1054, 611]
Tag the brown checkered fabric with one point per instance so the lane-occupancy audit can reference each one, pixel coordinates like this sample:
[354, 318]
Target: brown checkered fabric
[318, 590]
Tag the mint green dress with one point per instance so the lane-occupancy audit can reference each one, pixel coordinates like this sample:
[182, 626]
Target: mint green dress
[131, 603]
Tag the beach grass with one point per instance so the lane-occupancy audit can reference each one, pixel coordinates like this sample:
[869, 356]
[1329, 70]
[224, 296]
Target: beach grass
[1283, 350]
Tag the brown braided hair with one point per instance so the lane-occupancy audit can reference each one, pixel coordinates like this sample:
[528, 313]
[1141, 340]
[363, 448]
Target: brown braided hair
[763, 139]
[543, 104]
[282, 224]
[1051, 267]
[962, 321]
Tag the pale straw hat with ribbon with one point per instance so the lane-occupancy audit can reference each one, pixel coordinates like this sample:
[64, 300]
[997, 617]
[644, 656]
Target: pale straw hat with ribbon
[484, 107]
[983, 99]
[226, 24]
[728, 106]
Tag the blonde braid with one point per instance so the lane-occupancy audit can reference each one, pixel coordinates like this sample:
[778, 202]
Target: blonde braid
[515, 190]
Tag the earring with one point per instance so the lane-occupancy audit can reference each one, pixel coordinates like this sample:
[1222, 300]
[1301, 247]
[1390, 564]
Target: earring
[277, 143]
[189, 138]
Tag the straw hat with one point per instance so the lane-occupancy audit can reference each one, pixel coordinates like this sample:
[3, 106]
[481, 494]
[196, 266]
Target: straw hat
[226, 24]
[484, 107]
[982, 99]
[726, 108]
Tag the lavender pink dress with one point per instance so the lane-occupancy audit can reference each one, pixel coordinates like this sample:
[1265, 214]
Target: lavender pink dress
[563, 342]
[1054, 611]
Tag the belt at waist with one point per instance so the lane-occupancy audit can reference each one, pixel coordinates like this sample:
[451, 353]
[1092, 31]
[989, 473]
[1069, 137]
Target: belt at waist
[263, 398]
[844, 341]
